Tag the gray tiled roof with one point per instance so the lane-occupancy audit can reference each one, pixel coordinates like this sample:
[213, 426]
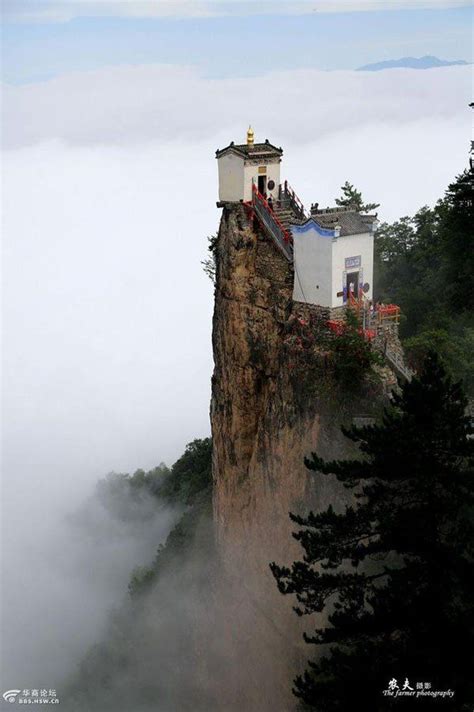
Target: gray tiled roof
[255, 150]
[350, 221]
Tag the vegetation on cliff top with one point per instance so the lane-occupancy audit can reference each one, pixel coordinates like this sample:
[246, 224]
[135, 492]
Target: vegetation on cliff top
[146, 657]
[329, 364]
[425, 264]
[188, 483]
[394, 569]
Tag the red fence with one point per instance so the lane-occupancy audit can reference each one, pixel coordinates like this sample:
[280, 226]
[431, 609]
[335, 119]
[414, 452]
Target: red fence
[281, 236]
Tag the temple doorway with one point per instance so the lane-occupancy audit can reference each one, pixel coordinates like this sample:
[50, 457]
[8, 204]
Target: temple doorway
[352, 284]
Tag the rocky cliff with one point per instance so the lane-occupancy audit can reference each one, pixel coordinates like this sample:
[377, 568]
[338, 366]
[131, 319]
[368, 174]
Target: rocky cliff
[266, 415]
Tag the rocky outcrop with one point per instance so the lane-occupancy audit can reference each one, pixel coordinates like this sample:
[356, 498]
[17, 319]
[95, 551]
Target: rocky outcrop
[264, 420]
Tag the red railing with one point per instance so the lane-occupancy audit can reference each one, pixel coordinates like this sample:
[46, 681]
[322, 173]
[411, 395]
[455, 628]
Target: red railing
[354, 301]
[296, 203]
[388, 312]
[360, 303]
[270, 219]
[379, 314]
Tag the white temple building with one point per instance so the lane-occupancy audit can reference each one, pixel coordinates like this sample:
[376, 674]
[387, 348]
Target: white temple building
[242, 165]
[332, 250]
[333, 255]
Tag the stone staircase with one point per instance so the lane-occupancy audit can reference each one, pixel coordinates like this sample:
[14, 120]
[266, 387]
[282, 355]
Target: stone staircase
[387, 341]
[276, 218]
[277, 215]
[285, 216]
[270, 222]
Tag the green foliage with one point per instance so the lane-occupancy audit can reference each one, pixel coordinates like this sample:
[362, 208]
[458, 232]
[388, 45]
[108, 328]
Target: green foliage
[122, 494]
[186, 484]
[327, 366]
[189, 483]
[425, 264]
[180, 541]
[190, 475]
[209, 264]
[151, 481]
[353, 355]
[304, 357]
[147, 656]
[393, 569]
[351, 197]
[454, 344]
[142, 577]
[456, 220]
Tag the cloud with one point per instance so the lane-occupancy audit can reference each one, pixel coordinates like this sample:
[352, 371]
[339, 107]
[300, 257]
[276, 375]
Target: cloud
[65, 10]
[110, 184]
[107, 312]
[106, 366]
[109, 192]
[65, 573]
[129, 105]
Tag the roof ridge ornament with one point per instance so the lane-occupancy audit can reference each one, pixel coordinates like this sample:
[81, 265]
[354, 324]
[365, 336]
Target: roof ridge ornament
[250, 136]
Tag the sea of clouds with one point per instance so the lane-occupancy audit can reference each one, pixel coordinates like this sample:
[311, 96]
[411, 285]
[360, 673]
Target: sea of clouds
[109, 193]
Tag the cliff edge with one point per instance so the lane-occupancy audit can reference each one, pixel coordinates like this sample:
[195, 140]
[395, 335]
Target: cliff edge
[266, 416]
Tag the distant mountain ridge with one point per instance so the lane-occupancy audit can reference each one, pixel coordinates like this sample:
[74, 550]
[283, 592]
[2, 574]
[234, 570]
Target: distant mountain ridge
[426, 62]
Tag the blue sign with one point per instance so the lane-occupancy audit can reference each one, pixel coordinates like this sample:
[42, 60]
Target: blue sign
[350, 262]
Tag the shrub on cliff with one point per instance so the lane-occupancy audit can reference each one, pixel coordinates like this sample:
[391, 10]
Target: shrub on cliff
[209, 264]
[322, 360]
[393, 571]
[352, 355]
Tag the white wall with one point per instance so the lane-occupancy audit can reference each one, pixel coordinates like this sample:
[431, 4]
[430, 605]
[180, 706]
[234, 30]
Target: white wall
[313, 272]
[231, 177]
[319, 263]
[272, 173]
[352, 246]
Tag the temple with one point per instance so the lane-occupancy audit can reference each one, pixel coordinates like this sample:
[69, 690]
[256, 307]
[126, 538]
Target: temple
[331, 250]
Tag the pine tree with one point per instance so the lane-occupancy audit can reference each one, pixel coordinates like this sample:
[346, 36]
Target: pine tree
[353, 198]
[392, 571]
[456, 220]
[425, 264]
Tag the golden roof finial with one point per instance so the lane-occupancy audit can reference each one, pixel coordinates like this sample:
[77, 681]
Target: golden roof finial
[250, 136]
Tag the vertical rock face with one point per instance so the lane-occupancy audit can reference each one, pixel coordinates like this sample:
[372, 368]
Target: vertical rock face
[262, 426]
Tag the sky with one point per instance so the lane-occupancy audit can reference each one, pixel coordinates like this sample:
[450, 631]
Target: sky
[112, 113]
[224, 45]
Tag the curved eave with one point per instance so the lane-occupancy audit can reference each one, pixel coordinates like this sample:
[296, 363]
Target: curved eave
[311, 224]
[264, 150]
[230, 149]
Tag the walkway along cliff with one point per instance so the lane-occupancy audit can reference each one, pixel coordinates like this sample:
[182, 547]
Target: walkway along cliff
[284, 279]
